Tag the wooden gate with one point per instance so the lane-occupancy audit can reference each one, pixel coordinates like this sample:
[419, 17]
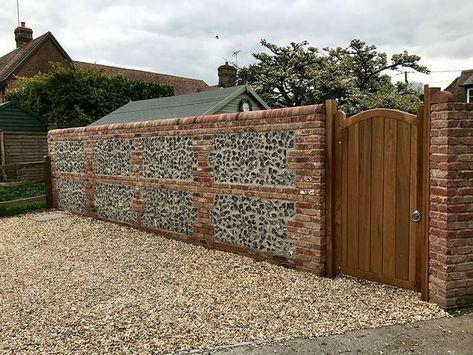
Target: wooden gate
[377, 197]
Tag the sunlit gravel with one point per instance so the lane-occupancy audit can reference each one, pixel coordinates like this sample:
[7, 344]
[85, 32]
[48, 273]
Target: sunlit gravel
[80, 286]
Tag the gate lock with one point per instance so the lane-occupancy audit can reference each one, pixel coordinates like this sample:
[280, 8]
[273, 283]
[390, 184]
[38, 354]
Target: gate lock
[415, 216]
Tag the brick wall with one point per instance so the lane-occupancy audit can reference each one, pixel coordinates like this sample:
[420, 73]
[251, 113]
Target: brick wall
[250, 183]
[451, 202]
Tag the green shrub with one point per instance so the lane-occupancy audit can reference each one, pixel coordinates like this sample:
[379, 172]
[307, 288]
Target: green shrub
[22, 191]
[66, 97]
[15, 210]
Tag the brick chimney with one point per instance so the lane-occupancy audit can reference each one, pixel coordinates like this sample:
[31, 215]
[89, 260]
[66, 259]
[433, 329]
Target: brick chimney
[23, 35]
[226, 75]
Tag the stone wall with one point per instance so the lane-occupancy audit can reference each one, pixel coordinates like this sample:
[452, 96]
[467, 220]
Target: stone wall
[251, 183]
[451, 202]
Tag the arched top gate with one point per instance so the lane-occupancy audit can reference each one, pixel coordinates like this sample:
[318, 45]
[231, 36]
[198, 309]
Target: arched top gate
[377, 196]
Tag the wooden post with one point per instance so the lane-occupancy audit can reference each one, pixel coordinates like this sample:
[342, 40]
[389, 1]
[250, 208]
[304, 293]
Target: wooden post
[48, 181]
[15, 171]
[420, 188]
[339, 120]
[2, 154]
[425, 176]
[330, 111]
[2, 148]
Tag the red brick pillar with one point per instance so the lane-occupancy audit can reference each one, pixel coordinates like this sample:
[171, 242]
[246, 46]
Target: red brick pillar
[451, 202]
[203, 196]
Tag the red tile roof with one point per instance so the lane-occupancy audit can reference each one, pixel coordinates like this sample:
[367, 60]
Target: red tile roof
[456, 88]
[181, 84]
[10, 62]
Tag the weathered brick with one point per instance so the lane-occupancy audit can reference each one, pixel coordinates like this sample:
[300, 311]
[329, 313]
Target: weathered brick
[306, 159]
[451, 198]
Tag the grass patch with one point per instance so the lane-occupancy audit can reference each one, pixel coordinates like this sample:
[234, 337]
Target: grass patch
[15, 210]
[26, 190]
[22, 191]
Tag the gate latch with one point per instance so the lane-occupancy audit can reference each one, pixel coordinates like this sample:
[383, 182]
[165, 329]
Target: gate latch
[415, 216]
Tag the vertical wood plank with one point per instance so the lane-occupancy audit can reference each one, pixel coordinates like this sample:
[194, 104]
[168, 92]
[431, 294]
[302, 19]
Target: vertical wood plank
[389, 192]
[353, 179]
[48, 181]
[338, 189]
[422, 228]
[422, 249]
[377, 197]
[413, 204]
[364, 200]
[403, 164]
[330, 110]
[345, 198]
[2, 148]
[2, 154]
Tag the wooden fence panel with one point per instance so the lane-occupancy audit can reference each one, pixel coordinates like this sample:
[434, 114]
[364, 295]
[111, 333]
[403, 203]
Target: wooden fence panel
[22, 148]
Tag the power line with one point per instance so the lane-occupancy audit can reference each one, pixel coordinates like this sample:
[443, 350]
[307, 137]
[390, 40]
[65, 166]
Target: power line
[446, 71]
[440, 71]
[440, 81]
[432, 71]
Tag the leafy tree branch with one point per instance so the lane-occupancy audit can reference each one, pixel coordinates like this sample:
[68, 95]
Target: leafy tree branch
[299, 74]
[65, 97]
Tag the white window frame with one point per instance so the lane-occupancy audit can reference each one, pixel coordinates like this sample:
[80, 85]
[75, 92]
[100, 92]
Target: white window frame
[469, 95]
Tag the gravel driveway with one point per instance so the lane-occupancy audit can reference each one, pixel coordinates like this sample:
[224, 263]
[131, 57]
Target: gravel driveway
[75, 285]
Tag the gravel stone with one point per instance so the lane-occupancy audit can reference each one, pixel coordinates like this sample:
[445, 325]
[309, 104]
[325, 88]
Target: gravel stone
[47, 217]
[81, 286]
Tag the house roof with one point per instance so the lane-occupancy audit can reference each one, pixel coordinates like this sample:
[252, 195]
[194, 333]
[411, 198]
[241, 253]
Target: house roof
[196, 104]
[468, 81]
[182, 85]
[451, 87]
[10, 62]
[456, 86]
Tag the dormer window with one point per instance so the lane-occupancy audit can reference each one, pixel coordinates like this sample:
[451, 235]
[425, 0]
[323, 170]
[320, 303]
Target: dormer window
[469, 95]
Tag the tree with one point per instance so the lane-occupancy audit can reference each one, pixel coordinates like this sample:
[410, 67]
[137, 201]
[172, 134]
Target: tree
[299, 74]
[416, 87]
[66, 97]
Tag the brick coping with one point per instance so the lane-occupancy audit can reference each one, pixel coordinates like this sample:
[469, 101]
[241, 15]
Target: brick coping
[238, 116]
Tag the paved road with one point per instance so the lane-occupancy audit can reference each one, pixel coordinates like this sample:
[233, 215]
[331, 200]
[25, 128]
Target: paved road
[441, 336]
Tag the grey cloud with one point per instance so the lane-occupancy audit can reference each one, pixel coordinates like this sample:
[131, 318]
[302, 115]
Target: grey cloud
[178, 36]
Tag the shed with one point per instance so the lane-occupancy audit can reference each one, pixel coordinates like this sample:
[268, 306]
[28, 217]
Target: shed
[222, 100]
[23, 139]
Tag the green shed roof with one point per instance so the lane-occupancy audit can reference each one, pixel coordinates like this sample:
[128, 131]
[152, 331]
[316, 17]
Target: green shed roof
[195, 104]
[14, 118]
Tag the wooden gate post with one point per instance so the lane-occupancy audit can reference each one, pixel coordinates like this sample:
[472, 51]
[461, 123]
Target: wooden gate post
[48, 181]
[2, 155]
[330, 111]
[422, 265]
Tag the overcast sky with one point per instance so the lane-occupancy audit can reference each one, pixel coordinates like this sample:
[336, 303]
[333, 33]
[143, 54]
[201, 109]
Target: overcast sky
[178, 36]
